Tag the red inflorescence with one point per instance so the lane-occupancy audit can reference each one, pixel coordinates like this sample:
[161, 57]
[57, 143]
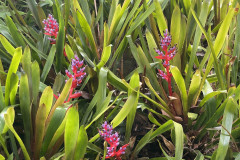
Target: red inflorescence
[51, 28]
[166, 54]
[77, 75]
[113, 140]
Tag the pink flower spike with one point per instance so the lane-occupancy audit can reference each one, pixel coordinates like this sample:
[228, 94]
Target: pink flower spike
[113, 140]
[78, 72]
[169, 53]
[51, 27]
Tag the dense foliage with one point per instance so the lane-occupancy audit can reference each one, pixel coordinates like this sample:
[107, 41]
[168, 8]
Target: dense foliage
[119, 79]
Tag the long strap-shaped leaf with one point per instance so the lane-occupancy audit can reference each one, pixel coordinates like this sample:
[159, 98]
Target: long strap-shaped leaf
[60, 39]
[151, 135]
[71, 132]
[182, 88]
[228, 115]
[197, 37]
[127, 107]
[222, 34]
[7, 45]
[9, 123]
[12, 69]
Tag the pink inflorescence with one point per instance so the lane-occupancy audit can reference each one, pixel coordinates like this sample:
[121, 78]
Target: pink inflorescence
[78, 72]
[77, 75]
[113, 140]
[166, 54]
[51, 28]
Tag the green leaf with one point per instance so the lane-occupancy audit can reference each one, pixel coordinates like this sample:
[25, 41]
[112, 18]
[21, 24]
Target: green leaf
[25, 106]
[152, 45]
[2, 103]
[67, 12]
[141, 18]
[71, 132]
[155, 93]
[13, 88]
[47, 99]
[153, 119]
[210, 95]
[187, 5]
[127, 107]
[142, 62]
[175, 33]
[220, 39]
[237, 157]
[60, 99]
[12, 69]
[115, 81]
[87, 30]
[56, 121]
[32, 4]
[130, 16]
[179, 141]
[48, 63]
[193, 89]
[228, 115]
[151, 135]
[104, 108]
[41, 117]
[85, 10]
[165, 154]
[143, 141]
[182, 88]
[69, 52]
[236, 50]
[112, 11]
[105, 56]
[26, 62]
[199, 156]
[101, 92]
[35, 72]
[58, 135]
[94, 147]
[81, 145]
[9, 123]
[10, 49]
[1, 157]
[197, 38]
[15, 32]
[162, 24]
[3, 126]
[60, 39]
[134, 83]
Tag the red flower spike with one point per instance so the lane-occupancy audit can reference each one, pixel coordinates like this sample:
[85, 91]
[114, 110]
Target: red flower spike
[51, 28]
[77, 75]
[169, 53]
[113, 140]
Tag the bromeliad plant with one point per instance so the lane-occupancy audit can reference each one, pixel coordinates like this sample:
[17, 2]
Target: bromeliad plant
[44, 120]
[101, 33]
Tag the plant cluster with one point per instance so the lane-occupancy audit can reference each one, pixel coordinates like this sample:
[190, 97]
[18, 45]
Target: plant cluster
[128, 79]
